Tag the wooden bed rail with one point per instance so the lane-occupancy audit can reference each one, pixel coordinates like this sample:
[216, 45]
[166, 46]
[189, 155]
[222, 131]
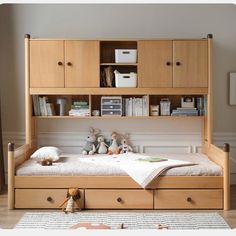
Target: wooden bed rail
[15, 158]
[221, 157]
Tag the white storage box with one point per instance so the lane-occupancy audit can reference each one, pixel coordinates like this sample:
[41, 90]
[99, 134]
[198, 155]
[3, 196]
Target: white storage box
[126, 80]
[125, 55]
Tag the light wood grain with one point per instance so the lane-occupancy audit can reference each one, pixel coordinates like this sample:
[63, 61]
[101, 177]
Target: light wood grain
[38, 198]
[84, 69]
[11, 184]
[119, 91]
[193, 68]
[44, 68]
[198, 199]
[152, 69]
[118, 199]
[114, 182]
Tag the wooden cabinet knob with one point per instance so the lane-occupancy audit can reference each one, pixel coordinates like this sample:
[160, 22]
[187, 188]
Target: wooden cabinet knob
[189, 199]
[60, 63]
[69, 63]
[119, 199]
[178, 63]
[49, 199]
[168, 63]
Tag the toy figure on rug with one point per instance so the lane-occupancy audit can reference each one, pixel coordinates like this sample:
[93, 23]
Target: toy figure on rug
[72, 198]
[113, 148]
[124, 147]
[102, 146]
[90, 147]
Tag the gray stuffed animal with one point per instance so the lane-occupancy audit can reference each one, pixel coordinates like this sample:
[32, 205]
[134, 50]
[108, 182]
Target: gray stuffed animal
[90, 147]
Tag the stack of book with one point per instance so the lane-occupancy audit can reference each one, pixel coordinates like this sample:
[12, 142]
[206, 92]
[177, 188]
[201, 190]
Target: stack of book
[42, 107]
[79, 108]
[135, 106]
[184, 111]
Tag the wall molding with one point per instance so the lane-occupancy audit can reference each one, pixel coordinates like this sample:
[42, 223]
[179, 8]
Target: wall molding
[189, 142]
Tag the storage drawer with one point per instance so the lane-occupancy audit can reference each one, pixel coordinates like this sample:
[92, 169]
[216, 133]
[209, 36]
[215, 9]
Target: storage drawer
[118, 199]
[188, 199]
[42, 198]
[111, 100]
[107, 107]
[111, 112]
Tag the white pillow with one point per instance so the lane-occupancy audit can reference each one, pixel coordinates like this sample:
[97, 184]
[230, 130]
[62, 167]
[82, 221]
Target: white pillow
[47, 153]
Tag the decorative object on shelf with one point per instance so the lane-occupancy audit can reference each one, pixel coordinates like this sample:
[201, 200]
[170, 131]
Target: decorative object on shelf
[102, 146]
[154, 110]
[124, 80]
[125, 147]
[232, 88]
[62, 106]
[114, 147]
[200, 105]
[46, 155]
[111, 105]
[72, 198]
[79, 108]
[187, 102]
[109, 76]
[165, 107]
[95, 112]
[90, 147]
[125, 55]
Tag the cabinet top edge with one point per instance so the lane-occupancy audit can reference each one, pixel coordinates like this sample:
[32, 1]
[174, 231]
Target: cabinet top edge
[118, 39]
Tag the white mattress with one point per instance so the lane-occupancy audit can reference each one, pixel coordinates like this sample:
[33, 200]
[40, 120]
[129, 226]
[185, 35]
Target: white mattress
[71, 165]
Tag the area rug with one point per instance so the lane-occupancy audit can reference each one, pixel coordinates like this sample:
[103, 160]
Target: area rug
[133, 220]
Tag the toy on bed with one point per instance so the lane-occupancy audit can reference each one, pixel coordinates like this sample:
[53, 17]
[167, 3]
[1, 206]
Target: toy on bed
[124, 147]
[90, 147]
[72, 198]
[113, 148]
[102, 146]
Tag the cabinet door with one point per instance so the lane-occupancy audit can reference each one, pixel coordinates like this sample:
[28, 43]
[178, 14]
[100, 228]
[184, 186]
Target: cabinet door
[82, 64]
[190, 63]
[155, 63]
[47, 63]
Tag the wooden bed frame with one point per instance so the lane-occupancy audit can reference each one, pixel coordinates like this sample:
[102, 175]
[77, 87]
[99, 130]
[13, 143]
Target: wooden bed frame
[119, 192]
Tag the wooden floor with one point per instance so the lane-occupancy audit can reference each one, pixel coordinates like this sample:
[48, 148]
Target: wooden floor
[8, 218]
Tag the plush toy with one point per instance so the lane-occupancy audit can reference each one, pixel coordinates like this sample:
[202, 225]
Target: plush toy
[113, 148]
[102, 146]
[73, 196]
[89, 147]
[124, 147]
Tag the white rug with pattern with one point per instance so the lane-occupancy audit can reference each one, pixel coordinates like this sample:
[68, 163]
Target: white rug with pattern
[130, 220]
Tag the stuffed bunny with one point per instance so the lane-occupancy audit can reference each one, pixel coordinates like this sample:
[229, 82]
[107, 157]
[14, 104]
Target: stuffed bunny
[89, 147]
[124, 147]
[102, 146]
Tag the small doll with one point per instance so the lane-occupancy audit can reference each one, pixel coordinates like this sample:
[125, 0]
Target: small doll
[89, 147]
[113, 148]
[102, 146]
[124, 147]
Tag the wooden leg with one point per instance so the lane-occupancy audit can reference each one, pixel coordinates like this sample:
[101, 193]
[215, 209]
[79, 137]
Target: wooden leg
[11, 175]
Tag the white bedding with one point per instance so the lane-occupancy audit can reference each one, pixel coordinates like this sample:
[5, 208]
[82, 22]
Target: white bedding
[72, 165]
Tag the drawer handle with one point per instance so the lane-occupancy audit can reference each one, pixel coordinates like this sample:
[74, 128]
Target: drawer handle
[168, 63]
[189, 199]
[119, 199]
[60, 63]
[49, 199]
[69, 63]
[178, 63]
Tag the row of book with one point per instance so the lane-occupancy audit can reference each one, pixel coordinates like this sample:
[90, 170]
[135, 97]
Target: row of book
[135, 106]
[79, 108]
[42, 107]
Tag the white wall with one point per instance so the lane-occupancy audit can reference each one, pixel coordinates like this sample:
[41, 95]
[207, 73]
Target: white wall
[116, 21]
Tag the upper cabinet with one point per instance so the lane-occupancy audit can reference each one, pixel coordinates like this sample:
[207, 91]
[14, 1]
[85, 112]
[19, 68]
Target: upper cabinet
[46, 63]
[58, 63]
[155, 63]
[190, 60]
[82, 64]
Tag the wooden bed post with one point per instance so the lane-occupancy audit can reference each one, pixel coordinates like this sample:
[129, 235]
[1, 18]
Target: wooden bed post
[11, 176]
[226, 174]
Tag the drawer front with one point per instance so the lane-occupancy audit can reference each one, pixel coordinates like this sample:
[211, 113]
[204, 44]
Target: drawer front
[113, 107]
[118, 199]
[111, 113]
[42, 198]
[188, 199]
[111, 101]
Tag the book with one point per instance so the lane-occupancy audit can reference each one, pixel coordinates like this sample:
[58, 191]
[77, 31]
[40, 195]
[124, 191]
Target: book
[152, 159]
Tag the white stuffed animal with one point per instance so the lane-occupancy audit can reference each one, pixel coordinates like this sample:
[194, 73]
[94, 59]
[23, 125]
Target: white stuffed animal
[89, 147]
[124, 147]
[102, 146]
